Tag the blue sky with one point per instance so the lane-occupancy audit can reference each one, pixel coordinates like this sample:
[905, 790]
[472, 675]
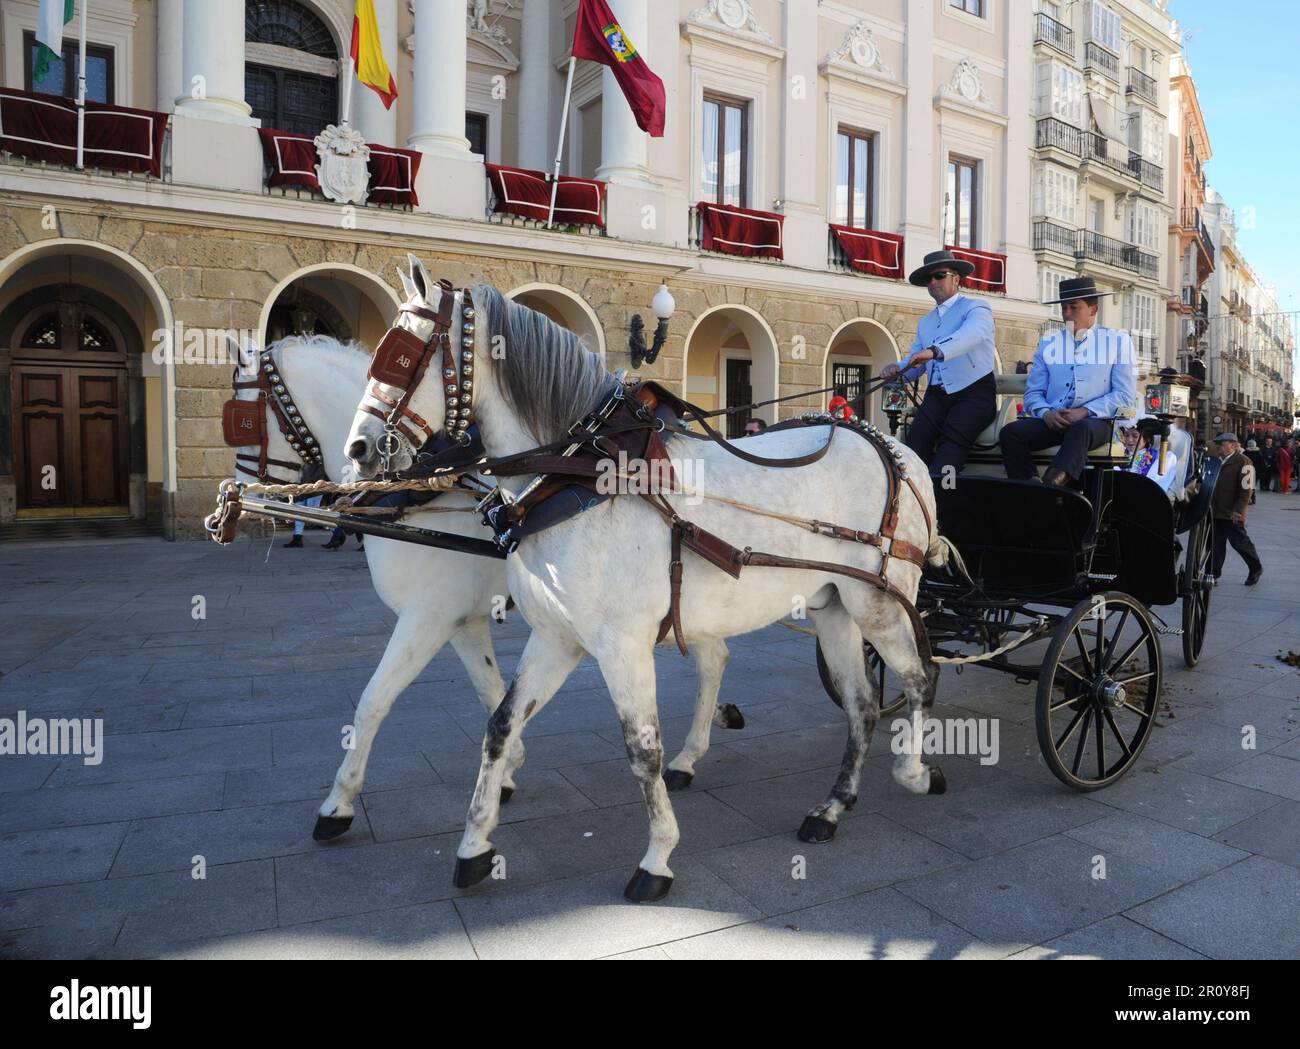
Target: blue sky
[1243, 57]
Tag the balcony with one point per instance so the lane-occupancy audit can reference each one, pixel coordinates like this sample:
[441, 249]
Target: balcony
[1057, 134]
[1191, 222]
[1146, 347]
[1141, 85]
[1054, 34]
[728, 230]
[1152, 175]
[1048, 236]
[1097, 57]
[1111, 155]
[1110, 252]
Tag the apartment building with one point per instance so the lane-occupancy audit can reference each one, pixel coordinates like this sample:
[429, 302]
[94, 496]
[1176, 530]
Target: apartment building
[838, 142]
[1101, 167]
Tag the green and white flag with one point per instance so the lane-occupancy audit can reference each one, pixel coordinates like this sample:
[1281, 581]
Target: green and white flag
[55, 14]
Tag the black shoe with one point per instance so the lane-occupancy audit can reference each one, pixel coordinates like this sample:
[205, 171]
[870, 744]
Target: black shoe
[295, 541]
[334, 543]
[1254, 577]
[1057, 477]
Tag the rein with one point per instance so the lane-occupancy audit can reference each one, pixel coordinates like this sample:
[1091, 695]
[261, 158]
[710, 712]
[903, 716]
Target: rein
[243, 423]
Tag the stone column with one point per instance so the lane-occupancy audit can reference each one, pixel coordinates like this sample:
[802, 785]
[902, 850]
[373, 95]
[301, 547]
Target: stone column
[920, 190]
[805, 221]
[170, 42]
[377, 124]
[1022, 270]
[213, 48]
[623, 145]
[534, 83]
[438, 101]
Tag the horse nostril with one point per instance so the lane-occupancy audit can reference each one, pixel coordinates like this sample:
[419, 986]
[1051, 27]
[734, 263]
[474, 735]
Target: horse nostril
[357, 449]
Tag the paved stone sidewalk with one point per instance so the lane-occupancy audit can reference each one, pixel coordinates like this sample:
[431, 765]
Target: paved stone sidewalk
[222, 736]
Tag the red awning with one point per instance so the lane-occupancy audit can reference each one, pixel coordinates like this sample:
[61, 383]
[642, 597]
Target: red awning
[870, 251]
[519, 191]
[291, 159]
[740, 231]
[990, 269]
[44, 127]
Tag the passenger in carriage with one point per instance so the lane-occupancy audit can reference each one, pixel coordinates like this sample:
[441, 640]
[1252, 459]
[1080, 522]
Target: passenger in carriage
[954, 347]
[1080, 380]
[1146, 456]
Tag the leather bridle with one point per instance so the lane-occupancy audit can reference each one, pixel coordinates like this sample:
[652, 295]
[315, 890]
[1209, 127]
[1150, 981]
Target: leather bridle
[243, 424]
[400, 362]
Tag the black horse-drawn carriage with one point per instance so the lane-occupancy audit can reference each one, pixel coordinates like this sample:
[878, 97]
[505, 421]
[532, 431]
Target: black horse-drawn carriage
[1081, 570]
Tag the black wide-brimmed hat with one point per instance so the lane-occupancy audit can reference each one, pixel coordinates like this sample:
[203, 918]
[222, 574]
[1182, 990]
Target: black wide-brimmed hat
[1077, 288]
[936, 260]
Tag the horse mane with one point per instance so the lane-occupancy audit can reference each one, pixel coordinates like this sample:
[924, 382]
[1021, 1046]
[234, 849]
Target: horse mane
[317, 342]
[547, 376]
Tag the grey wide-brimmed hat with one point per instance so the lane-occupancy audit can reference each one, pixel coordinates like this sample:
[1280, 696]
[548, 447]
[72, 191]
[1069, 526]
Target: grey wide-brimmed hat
[937, 259]
[1077, 288]
[1229, 436]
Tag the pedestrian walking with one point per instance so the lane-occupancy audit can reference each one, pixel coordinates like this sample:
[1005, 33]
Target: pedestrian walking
[1231, 498]
[1270, 454]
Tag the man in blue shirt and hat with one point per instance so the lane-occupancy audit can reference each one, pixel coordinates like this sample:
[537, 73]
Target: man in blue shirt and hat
[954, 348]
[1080, 380]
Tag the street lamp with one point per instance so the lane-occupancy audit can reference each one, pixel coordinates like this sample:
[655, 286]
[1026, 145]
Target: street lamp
[663, 305]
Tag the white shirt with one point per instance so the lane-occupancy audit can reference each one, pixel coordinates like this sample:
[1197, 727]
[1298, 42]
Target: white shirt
[940, 310]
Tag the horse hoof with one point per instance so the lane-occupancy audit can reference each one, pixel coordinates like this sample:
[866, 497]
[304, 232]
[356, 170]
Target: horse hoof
[328, 827]
[676, 779]
[473, 870]
[646, 887]
[731, 716]
[506, 794]
[938, 784]
[816, 830]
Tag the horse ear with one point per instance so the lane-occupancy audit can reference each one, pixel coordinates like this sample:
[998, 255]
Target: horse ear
[422, 280]
[236, 352]
[408, 285]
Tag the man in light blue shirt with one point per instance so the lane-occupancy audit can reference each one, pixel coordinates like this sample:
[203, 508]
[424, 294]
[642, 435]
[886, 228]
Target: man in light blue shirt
[954, 348]
[1080, 380]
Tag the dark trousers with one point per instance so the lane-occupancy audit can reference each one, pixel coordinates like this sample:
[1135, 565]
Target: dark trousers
[948, 424]
[1226, 532]
[1024, 436]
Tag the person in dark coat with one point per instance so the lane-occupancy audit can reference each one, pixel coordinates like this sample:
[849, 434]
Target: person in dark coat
[1232, 493]
[1270, 454]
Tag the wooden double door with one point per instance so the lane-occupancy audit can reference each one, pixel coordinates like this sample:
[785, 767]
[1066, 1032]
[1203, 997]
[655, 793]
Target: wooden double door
[71, 428]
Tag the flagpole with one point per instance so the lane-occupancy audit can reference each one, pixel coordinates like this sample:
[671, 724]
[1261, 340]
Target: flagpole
[347, 90]
[559, 148]
[81, 93]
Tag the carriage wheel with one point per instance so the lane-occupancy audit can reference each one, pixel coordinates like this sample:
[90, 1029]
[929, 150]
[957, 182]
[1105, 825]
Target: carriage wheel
[1196, 597]
[1097, 690]
[875, 668]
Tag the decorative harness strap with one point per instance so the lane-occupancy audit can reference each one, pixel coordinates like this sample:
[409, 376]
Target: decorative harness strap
[243, 423]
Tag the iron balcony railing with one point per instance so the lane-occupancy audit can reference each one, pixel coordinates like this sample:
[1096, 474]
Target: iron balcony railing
[1048, 236]
[1107, 152]
[1152, 175]
[1146, 347]
[1097, 57]
[1192, 221]
[1142, 85]
[1111, 252]
[1058, 134]
[1052, 32]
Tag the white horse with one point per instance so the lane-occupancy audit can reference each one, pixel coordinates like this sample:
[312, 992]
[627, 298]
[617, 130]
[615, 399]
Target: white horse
[599, 583]
[438, 595]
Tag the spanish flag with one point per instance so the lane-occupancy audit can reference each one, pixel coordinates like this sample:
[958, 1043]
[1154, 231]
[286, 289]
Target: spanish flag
[368, 56]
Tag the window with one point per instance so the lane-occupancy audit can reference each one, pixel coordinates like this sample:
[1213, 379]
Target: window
[476, 130]
[960, 228]
[1060, 92]
[1105, 27]
[852, 377]
[1146, 134]
[854, 178]
[1051, 283]
[1144, 226]
[726, 151]
[971, 7]
[302, 99]
[1056, 192]
[1096, 214]
[740, 393]
[1137, 56]
[61, 76]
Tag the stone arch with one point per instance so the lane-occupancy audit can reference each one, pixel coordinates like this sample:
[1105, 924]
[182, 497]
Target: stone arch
[731, 331]
[367, 314]
[862, 343]
[148, 337]
[566, 308]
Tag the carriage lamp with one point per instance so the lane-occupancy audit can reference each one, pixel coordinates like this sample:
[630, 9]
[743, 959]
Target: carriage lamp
[663, 305]
[893, 402]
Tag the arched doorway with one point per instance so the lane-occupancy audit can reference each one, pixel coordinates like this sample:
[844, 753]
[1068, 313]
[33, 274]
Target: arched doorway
[857, 352]
[566, 309]
[731, 361]
[334, 299]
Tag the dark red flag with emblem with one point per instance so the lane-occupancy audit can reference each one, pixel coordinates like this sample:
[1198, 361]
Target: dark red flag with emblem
[599, 37]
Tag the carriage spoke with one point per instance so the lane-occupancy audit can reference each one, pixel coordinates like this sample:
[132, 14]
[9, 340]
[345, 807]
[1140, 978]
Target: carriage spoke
[1064, 704]
[1110, 720]
[1098, 657]
[1069, 729]
[1135, 677]
[1136, 710]
[1101, 746]
[1072, 672]
[1129, 652]
[1083, 652]
[1114, 640]
[1083, 741]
